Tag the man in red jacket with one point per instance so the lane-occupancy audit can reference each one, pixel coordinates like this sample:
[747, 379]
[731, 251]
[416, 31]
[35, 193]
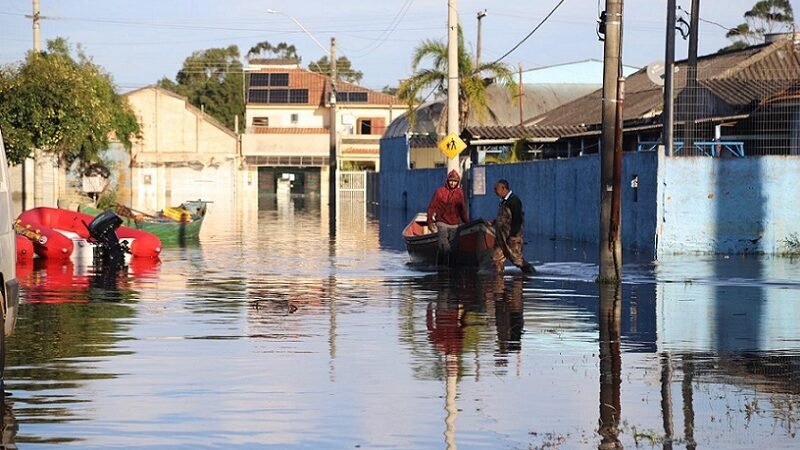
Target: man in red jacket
[447, 210]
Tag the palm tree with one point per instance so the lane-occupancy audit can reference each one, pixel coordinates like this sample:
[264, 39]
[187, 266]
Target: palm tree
[472, 80]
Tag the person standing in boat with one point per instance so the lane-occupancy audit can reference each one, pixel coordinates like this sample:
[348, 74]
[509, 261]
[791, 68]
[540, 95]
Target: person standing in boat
[508, 230]
[447, 210]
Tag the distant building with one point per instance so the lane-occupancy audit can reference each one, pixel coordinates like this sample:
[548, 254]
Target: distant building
[505, 110]
[287, 127]
[588, 72]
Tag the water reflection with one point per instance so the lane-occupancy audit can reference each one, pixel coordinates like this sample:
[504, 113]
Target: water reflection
[338, 343]
[73, 317]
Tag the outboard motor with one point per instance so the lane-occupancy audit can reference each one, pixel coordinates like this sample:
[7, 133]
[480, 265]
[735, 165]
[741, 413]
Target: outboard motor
[108, 250]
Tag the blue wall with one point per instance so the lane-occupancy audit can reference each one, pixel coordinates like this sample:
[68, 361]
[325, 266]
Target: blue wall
[730, 205]
[684, 204]
[560, 197]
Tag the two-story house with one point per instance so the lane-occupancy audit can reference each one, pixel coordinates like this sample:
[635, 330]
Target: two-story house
[286, 143]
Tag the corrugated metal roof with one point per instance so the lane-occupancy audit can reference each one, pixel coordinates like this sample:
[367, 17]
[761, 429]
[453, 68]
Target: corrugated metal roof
[503, 108]
[520, 132]
[740, 79]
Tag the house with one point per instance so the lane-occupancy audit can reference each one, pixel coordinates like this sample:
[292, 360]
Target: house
[183, 154]
[288, 127]
[744, 102]
[742, 117]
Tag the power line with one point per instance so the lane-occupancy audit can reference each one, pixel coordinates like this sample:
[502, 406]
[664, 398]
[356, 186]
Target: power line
[531, 33]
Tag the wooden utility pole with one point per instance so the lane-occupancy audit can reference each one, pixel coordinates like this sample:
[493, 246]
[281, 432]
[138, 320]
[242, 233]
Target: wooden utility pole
[668, 113]
[521, 98]
[333, 154]
[610, 226]
[452, 78]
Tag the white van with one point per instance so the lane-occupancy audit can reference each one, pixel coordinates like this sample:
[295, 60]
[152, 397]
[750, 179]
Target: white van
[9, 286]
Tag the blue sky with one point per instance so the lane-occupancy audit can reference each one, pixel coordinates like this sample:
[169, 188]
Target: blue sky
[141, 41]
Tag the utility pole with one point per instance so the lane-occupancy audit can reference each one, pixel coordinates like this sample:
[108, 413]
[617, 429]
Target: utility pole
[669, 70]
[691, 79]
[481, 15]
[521, 98]
[452, 78]
[610, 226]
[333, 155]
[37, 40]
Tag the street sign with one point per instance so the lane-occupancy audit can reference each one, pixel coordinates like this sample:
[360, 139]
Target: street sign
[452, 145]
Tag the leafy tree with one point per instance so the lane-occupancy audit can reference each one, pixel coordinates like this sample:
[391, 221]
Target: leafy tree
[212, 79]
[765, 17]
[62, 105]
[344, 69]
[472, 84]
[391, 90]
[280, 51]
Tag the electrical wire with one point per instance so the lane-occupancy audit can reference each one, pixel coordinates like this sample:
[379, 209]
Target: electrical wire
[531, 33]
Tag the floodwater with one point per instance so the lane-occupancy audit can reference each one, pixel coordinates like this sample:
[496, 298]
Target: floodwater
[269, 335]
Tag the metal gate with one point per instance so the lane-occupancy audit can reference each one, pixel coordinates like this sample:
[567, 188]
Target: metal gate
[352, 187]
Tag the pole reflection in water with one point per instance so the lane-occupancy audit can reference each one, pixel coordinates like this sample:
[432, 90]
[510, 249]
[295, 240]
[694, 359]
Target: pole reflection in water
[666, 400]
[610, 366]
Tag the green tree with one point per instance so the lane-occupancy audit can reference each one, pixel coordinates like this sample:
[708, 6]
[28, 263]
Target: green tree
[63, 105]
[765, 17]
[344, 69]
[280, 51]
[213, 80]
[472, 80]
[390, 90]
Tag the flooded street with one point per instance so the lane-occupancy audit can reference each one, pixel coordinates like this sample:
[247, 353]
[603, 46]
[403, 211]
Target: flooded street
[269, 335]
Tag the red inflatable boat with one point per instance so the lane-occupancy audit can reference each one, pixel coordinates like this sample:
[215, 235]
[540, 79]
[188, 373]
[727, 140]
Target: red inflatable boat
[55, 231]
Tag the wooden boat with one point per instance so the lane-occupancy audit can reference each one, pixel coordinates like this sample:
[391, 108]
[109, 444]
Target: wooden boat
[63, 234]
[472, 245]
[175, 225]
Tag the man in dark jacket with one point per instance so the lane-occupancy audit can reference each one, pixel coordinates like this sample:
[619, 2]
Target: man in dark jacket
[508, 230]
[447, 210]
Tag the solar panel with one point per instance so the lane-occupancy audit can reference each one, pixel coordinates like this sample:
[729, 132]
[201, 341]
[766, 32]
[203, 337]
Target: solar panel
[298, 96]
[258, 96]
[259, 79]
[278, 96]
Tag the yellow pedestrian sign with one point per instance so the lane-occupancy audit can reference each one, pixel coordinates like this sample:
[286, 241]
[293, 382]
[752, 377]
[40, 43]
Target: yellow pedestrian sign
[452, 145]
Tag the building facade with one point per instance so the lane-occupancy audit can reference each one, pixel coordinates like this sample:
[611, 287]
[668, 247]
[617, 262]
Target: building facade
[287, 136]
[183, 154]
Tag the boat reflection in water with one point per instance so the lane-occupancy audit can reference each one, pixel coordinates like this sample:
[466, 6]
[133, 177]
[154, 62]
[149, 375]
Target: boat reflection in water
[52, 281]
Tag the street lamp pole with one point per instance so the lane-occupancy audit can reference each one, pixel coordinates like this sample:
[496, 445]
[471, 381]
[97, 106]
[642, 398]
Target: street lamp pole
[333, 154]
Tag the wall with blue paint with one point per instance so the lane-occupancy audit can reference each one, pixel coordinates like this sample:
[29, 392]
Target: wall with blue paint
[682, 205]
[561, 198]
[729, 205]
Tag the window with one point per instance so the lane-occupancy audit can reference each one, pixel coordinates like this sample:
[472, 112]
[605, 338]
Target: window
[364, 126]
[372, 125]
[294, 118]
[260, 121]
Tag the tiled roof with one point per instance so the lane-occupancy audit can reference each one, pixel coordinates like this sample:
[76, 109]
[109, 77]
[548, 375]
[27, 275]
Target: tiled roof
[737, 80]
[318, 86]
[361, 151]
[289, 130]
